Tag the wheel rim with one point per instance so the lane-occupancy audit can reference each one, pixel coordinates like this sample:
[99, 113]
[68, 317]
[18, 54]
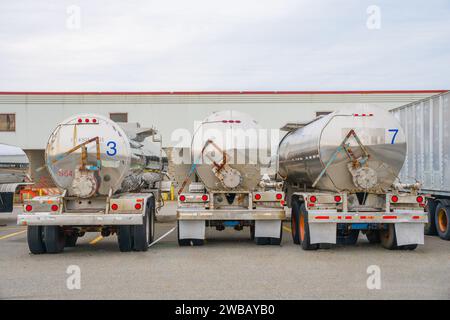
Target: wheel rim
[442, 220]
[302, 226]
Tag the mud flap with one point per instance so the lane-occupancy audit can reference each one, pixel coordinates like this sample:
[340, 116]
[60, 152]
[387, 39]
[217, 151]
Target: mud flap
[267, 228]
[322, 232]
[409, 233]
[191, 229]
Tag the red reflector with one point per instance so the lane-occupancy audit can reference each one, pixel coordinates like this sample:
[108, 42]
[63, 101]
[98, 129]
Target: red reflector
[205, 197]
[394, 198]
[225, 121]
[79, 120]
[363, 114]
[182, 198]
[257, 196]
[86, 120]
[114, 206]
[389, 217]
[322, 217]
[54, 207]
[313, 198]
[231, 121]
[94, 120]
[337, 198]
[419, 199]
[416, 217]
[28, 208]
[356, 115]
[138, 206]
[237, 121]
[279, 196]
[348, 217]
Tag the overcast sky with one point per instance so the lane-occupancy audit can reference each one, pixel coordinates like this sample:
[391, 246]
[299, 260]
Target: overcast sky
[224, 45]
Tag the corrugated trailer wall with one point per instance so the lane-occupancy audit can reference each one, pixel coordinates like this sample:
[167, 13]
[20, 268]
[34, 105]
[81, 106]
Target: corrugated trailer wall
[427, 127]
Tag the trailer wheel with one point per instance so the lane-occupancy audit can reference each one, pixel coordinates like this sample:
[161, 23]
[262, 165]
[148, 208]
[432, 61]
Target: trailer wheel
[295, 215]
[262, 241]
[71, 240]
[35, 239]
[347, 237]
[188, 242]
[388, 237]
[408, 247]
[54, 239]
[430, 227]
[303, 224]
[143, 232]
[443, 221]
[373, 236]
[252, 232]
[124, 238]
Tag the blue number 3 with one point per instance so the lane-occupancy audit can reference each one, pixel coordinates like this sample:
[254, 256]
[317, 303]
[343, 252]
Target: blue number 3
[395, 131]
[112, 148]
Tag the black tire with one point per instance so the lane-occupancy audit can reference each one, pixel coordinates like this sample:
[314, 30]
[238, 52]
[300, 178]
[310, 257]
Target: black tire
[188, 242]
[373, 236]
[35, 239]
[295, 216]
[388, 238]
[71, 240]
[408, 247]
[347, 237]
[442, 221]
[143, 234]
[262, 241]
[252, 232]
[124, 238]
[305, 240]
[430, 227]
[54, 239]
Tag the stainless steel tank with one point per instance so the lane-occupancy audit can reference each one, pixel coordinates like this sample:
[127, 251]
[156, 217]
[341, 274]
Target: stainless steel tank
[90, 155]
[305, 152]
[225, 151]
[14, 164]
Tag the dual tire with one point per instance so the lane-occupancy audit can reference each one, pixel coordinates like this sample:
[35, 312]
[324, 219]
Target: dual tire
[138, 238]
[442, 221]
[300, 226]
[46, 239]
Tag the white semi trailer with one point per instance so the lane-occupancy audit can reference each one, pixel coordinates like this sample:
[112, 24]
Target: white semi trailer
[108, 175]
[427, 128]
[226, 188]
[14, 167]
[340, 174]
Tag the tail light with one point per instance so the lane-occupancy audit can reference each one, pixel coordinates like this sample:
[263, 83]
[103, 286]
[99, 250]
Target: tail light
[54, 207]
[257, 196]
[313, 199]
[279, 196]
[337, 198]
[114, 206]
[28, 207]
[138, 206]
[182, 198]
[205, 197]
[419, 199]
[394, 199]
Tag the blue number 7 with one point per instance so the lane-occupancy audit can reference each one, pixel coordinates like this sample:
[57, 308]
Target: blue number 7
[395, 131]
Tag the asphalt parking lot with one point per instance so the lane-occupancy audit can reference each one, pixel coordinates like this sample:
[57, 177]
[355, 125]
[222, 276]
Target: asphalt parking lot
[229, 266]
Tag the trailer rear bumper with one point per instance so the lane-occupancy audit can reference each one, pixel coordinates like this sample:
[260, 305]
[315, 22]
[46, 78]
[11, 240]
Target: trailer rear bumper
[400, 216]
[191, 213]
[47, 219]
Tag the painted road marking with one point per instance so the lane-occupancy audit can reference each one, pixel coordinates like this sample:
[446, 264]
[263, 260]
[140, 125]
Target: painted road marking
[99, 238]
[287, 229]
[12, 234]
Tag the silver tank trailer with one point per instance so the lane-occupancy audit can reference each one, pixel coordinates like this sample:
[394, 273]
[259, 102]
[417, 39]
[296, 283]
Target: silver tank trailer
[235, 134]
[14, 164]
[122, 160]
[305, 152]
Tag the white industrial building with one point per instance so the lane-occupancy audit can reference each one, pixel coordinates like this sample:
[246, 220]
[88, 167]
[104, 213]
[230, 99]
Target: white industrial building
[27, 118]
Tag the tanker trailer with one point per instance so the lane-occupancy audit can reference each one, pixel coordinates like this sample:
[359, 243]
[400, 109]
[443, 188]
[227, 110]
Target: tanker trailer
[228, 191]
[108, 175]
[340, 176]
[14, 166]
